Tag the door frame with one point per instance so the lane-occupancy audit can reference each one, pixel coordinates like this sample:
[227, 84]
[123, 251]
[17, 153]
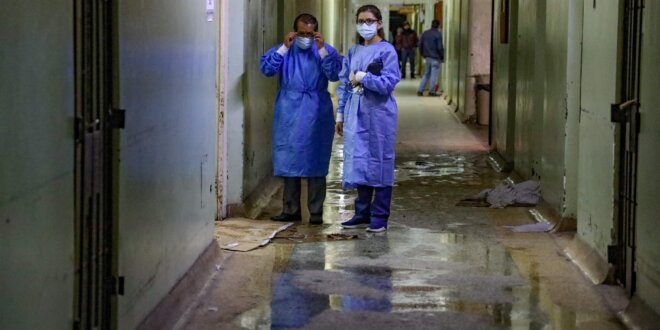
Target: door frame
[626, 113]
[95, 165]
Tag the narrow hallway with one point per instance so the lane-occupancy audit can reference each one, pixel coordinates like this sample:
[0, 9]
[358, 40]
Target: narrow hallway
[135, 134]
[438, 266]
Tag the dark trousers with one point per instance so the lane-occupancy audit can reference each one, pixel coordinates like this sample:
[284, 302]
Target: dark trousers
[373, 206]
[408, 55]
[315, 195]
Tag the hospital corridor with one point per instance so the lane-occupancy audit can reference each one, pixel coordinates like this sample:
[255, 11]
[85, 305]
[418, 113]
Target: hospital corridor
[329, 164]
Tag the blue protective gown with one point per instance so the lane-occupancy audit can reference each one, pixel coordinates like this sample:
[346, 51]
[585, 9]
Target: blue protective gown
[303, 123]
[370, 118]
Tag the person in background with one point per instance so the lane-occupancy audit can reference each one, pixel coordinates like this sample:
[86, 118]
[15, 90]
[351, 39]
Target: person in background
[433, 52]
[303, 125]
[367, 119]
[398, 40]
[409, 43]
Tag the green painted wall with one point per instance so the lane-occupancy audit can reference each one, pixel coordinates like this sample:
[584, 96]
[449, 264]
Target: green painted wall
[596, 164]
[167, 68]
[504, 80]
[558, 157]
[530, 67]
[536, 95]
[452, 51]
[36, 171]
[259, 92]
[573, 94]
[463, 49]
[551, 167]
[648, 210]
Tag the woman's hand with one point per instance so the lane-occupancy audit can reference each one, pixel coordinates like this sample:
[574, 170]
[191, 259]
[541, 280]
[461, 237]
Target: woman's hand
[339, 128]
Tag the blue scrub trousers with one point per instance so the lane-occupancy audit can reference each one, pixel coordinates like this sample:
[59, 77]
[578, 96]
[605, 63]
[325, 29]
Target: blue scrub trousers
[368, 206]
[431, 71]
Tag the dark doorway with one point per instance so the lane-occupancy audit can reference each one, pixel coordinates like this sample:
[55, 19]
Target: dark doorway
[96, 120]
[627, 115]
[396, 21]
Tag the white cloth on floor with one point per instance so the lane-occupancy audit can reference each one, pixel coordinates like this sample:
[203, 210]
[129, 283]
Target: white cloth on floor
[527, 192]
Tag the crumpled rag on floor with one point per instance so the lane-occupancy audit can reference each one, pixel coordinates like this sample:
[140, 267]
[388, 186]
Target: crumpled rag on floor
[505, 194]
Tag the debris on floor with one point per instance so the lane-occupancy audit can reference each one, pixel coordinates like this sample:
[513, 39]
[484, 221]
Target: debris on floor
[240, 234]
[538, 227]
[341, 237]
[311, 234]
[526, 193]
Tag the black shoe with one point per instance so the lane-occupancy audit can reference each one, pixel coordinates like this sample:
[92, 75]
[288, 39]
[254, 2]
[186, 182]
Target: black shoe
[286, 217]
[433, 94]
[412, 77]
[316, 219]
[420, 94]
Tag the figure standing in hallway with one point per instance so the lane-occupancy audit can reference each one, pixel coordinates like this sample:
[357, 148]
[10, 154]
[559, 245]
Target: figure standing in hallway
[397, 43]
[408, 47]
[433, 52]
[367, 119]
[303, 125]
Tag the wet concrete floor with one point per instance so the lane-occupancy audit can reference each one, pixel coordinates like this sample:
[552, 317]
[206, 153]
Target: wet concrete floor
[439, 266]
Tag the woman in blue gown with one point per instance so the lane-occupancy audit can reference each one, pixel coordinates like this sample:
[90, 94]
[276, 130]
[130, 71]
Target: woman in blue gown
[367, 119]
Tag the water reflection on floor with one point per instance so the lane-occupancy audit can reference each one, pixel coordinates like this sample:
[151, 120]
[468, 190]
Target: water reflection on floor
[459, 279]
[439, 266]
[405, 270]
[425, 171]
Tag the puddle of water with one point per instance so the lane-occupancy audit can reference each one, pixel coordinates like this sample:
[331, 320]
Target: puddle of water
[403, 271]
[459, 275]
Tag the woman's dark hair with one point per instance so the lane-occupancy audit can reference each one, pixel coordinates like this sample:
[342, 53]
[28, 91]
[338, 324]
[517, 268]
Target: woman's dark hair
[376, 12]
[307, 19]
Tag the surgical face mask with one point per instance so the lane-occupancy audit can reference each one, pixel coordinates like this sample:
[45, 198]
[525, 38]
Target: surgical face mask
[367, 32]
[303, 42]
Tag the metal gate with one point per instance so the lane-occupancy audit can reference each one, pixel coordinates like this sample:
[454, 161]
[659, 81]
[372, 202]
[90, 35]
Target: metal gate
[627, 115]
[95, 283]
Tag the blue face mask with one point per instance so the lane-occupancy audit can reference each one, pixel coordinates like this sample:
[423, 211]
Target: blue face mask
[303, 42]
[367, 32]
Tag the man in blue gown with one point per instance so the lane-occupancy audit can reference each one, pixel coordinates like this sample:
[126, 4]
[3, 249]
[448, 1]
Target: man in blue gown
[303, 123]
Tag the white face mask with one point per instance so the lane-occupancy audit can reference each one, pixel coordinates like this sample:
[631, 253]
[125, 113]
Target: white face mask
[367, 32]
[303, 42]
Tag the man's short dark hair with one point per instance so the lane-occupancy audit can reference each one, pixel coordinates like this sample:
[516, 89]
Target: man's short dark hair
[435, 23]
[307, 19]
